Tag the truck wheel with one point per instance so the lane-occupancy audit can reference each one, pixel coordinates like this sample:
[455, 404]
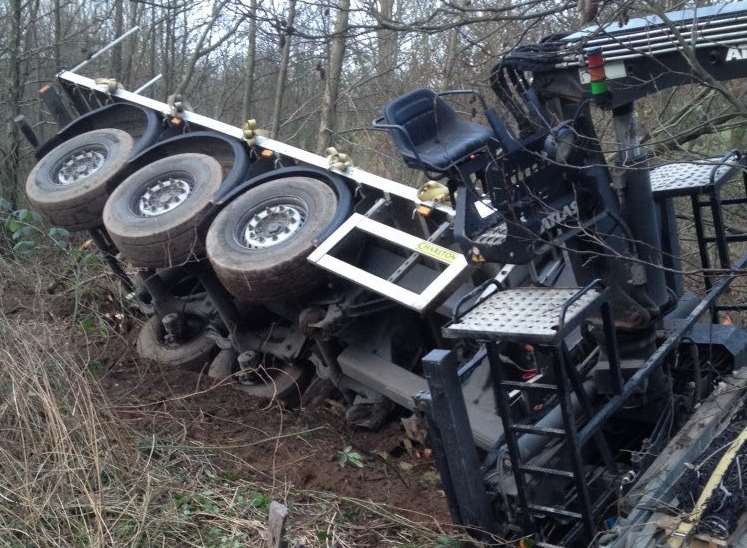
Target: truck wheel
[154, 215]
[284, 382]
[69, 185]
[258, 244]
[193, 352]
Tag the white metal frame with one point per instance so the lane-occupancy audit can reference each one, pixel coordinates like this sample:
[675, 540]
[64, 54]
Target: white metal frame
[417, 301]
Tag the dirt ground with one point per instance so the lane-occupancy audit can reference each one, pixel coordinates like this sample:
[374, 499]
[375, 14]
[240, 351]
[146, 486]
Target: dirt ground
[283, 448]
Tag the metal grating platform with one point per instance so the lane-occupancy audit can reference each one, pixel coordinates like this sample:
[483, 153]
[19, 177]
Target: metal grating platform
[689, 177]
[524, 315]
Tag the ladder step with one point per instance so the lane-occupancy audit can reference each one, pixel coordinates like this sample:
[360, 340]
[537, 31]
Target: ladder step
[522, 385]
[546, 471]
[538, 509]
[548, 545]
[539, 430]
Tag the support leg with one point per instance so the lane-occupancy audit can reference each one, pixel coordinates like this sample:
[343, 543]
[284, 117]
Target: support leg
[452, 422]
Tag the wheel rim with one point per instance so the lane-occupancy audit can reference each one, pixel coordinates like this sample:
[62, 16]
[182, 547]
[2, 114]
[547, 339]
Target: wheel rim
[162, 195]
[271, 224]
[79, 164]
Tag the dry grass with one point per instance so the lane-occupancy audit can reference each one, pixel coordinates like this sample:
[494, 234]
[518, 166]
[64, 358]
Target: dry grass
[72, 473]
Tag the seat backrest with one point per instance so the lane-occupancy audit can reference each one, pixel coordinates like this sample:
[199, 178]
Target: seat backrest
[422, 114]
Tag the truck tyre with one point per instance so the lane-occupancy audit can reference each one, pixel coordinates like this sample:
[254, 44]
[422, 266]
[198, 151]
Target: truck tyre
[69, 185]
[259, 243]
[287, 382]
[192, 353]
[154, 215]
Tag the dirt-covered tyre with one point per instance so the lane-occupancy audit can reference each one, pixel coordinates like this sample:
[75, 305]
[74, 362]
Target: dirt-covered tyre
[193, 352]
[69, 185]
[283, 381]
[259, 243]
[153, 216]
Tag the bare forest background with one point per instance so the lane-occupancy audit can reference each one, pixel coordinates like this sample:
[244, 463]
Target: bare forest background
[313, 73]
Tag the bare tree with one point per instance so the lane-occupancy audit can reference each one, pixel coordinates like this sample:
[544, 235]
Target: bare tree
[327, 124]
[251, 59]
[118, 31]
[286, 32]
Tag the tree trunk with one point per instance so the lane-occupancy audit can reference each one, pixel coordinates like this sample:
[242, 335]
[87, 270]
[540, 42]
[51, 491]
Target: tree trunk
[15, 93]
[251, 59]
[386, 40]
[328, 120]
[57, 12]
[283, 72]
[132, 41]
[118, 31]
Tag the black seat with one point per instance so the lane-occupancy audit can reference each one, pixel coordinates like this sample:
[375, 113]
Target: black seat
[428, 132]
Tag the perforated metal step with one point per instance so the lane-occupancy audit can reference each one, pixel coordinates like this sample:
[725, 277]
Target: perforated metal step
[524, 315]
[684, 178]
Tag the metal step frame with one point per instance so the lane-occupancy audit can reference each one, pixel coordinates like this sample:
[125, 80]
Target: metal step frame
[454, 261]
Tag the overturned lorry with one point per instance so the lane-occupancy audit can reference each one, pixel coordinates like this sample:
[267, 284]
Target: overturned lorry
[531, 307]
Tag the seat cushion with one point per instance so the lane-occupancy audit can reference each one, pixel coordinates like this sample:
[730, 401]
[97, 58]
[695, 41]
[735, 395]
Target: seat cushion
[453, 143]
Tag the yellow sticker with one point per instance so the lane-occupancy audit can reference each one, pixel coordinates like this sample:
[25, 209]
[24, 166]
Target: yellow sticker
[436, 251]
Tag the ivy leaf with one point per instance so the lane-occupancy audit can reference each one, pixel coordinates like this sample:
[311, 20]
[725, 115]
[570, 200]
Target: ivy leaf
[59, 233]
[12, 225]
[23, 233]
[23, 247]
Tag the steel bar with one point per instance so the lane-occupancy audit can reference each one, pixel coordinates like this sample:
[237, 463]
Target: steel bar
[106, 48]
[730, 238]
[725, 202]
[149, 83]
[731, 307]
[573, 442]
[718, 229]
[657, 358]
[28, 132]
[509, 431]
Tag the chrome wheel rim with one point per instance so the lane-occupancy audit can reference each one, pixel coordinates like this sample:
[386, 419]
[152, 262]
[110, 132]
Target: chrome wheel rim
[272, 225]
[79, 164]
[163, 195]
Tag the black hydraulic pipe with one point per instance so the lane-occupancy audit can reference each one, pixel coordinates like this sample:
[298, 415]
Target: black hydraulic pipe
[657, 358]
[28, 132]
[54, 104]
